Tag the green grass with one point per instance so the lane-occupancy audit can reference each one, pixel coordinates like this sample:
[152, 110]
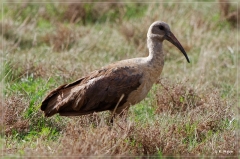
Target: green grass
[192, 109]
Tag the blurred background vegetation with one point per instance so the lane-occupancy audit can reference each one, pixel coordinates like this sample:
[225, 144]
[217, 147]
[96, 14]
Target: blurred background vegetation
[192, 110]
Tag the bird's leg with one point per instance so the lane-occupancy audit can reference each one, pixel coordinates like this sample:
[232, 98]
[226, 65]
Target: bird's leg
[124, 113]
[113, 116]
[111, 120]
[121, 113]
[115, 110]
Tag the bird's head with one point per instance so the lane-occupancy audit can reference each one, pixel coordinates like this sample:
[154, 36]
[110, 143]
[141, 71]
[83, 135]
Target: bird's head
[161, 31]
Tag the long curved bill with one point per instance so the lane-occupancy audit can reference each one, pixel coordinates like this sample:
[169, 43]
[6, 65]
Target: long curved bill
[171, 38]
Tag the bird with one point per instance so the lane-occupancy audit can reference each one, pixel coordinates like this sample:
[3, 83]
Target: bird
[116, 86]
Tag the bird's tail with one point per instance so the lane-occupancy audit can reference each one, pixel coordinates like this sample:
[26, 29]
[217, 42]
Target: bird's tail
[60, 99]
[50, 105]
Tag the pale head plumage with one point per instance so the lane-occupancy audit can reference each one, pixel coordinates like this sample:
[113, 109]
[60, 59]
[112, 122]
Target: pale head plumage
[158, 30]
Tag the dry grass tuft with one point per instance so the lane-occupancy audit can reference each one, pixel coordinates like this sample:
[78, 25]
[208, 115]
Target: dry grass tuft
[176, 98]
[2, 111]
[202, 115]
[18, 71]
[224, 7]
[17, 36]
[13, 119]
[84, 13]
[232, 16]
[114, 8]
[62, 39]
[75, 12]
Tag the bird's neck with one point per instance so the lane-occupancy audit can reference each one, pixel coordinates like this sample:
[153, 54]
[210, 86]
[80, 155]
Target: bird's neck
[156, 56]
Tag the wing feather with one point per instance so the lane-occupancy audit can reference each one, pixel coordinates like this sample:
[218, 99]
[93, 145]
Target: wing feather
[99, 91]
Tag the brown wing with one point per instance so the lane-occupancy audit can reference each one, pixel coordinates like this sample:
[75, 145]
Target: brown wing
[99, 91]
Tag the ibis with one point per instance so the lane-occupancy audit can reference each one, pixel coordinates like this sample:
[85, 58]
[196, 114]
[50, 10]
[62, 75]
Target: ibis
[116, 86]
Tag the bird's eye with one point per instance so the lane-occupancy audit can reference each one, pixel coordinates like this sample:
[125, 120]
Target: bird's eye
[161, 27]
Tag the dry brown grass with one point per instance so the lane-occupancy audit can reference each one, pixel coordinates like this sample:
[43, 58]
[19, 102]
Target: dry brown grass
[193, 118]
[12, 116]
[2, 110]
[228, 13]
[62, 39]
[75, 13]
[79, 13]
[199, 129]
[177, 98]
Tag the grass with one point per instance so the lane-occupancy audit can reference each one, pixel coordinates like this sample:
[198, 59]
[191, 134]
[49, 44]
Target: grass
[191, 111]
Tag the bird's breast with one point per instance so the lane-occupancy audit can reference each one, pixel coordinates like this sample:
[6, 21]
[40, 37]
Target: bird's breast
[150, 74]
[141, 92]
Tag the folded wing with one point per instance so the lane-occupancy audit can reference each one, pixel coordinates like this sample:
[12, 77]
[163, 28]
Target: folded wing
[99, 91]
